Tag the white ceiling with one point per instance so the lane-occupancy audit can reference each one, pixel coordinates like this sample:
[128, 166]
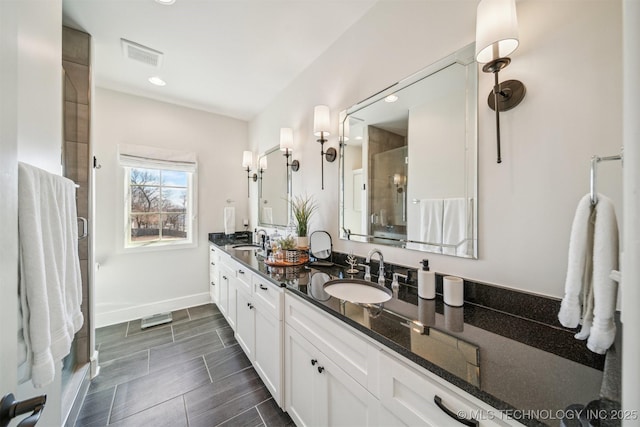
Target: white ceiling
[230, 57]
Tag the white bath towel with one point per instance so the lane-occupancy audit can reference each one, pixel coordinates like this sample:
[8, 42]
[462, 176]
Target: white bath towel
[454, 225]
[229, 220]
[267, 215]
[605, 289]
[431, 214]
[590, 293]
[50, 281]
[580, 247]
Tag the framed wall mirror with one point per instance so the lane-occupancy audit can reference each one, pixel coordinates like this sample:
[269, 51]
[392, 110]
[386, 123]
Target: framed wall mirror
[408, 162]
[274, 179]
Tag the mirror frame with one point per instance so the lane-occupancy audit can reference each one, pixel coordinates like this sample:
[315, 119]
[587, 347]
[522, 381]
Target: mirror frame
[464, 56]
[289, 193]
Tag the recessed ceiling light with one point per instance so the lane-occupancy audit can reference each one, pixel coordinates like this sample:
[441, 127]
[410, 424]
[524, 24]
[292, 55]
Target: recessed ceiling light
[391, 98]
[166, 2]
[358, 137]
[157, 81]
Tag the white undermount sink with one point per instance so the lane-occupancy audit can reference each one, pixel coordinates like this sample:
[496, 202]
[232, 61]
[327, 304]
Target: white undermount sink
[357, 291]
[246, 247]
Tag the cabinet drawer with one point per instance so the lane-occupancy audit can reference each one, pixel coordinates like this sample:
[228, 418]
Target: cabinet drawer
[244, 277]
[410, 394]
[349, 351]
[268, 295]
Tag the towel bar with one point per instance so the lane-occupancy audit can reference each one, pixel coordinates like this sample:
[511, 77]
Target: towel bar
[593, 173]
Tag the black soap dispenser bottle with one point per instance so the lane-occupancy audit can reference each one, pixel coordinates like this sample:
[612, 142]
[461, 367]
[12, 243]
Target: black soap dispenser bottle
[426, 281]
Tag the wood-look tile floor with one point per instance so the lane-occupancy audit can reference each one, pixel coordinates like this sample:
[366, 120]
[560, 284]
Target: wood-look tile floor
[191, 372]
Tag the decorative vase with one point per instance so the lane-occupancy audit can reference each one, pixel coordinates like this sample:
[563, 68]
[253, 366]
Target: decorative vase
[292, 256]
[303, 242]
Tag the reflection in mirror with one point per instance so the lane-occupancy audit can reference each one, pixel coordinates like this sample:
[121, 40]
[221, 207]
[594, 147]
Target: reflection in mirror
[273, 189]
[320, 249]
[316, 286]
[408, 162]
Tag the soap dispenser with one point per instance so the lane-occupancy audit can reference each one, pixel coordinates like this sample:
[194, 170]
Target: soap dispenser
[426, 281]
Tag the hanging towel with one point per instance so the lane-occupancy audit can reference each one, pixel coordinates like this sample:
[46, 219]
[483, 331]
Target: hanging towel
[50, 283]
[431, 212]
[605, 289]
[590, 293]
[454, 225]
[578, 280]
[267, 215]
[229, 220]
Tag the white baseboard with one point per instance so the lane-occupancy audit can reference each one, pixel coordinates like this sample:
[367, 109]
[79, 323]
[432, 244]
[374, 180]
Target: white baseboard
[139, 311]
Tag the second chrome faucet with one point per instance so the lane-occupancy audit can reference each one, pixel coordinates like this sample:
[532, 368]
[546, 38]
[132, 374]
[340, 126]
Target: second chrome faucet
[381, 270]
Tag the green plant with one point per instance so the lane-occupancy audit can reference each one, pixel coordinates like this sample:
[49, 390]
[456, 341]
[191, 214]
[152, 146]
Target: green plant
[287, 243]
[303, 209]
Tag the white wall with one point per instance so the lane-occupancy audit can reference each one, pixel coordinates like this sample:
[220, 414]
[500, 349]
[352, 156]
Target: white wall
[30, 131]
[132, 285]
[631, 243]
[40, 85]
[526, 204]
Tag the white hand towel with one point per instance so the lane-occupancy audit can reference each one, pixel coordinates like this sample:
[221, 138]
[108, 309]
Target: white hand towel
[50, 282]
[267, 215]
[229, 220]
[576, 284]
[590, 291]
[605, 259]
[431, 213]
[454, 225]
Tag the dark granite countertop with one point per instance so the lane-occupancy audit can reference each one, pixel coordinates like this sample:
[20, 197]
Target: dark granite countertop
[523, 367]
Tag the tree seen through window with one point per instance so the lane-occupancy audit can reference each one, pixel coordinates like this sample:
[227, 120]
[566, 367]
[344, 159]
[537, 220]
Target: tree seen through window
[159, 205]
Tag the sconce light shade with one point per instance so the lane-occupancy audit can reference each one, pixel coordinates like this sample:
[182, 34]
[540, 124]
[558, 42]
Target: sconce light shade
[321, 120]
[263, 163]
[247, 159]
[286, 139]
[496, 30]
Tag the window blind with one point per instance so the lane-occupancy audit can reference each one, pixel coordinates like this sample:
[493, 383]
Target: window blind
[141, 156]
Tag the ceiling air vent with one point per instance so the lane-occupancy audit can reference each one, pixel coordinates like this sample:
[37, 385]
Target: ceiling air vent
[140, 53]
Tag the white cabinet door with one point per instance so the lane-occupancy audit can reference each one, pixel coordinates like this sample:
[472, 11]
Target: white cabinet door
[226, 274]
[214, 274]
[233, 301]
[319, 393]
[245, 324]
[268, 351]
[301, 379]
[343, 401]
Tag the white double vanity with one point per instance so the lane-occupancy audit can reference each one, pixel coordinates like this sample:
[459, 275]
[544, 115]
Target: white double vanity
[320, 369]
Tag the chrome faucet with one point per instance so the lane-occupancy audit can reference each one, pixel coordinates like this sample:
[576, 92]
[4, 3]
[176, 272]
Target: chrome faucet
[381, 271]
[261, 231]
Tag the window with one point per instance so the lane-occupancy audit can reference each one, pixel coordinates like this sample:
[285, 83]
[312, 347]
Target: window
[159, 200]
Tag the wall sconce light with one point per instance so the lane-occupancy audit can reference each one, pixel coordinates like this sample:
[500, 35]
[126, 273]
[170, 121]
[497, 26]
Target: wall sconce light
[286, 145]
[263, 165]
[321, 126]
[262, 168]
[247, 162]
[496, 38]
